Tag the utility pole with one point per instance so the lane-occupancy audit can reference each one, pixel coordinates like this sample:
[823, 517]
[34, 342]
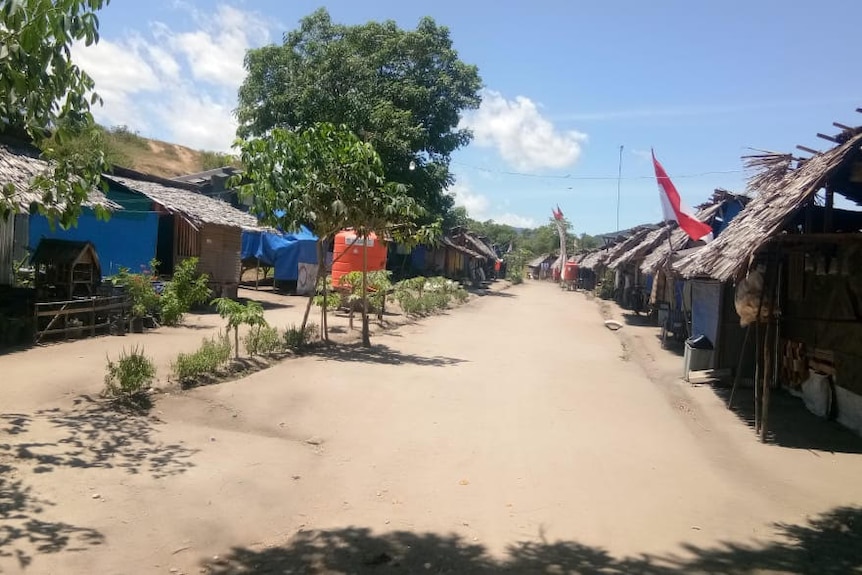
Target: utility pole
[619, 182]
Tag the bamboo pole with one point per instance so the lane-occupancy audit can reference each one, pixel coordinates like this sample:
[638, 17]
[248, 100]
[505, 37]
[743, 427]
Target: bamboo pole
[772, 351]
[758, 373]
[736, 376]
[366, 334]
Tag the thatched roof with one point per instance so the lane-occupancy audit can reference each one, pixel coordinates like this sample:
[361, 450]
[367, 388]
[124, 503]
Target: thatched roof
[768, 214]
[536, 262]
[196, 208]
[475, 244]
[594, 259]
[466, 251]
[20, 165]
[657, 258]
[638, 249]
[621, 248]
[706, 212]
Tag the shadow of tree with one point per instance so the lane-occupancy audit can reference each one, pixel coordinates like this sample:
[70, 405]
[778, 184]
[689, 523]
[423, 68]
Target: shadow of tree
[381, 354]
[829, 545]
[22, 532]
[92, 435]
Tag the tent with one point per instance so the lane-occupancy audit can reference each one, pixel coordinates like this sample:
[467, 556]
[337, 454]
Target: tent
[284, 252]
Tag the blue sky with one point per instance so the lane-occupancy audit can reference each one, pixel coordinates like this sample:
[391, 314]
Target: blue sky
[566, 84]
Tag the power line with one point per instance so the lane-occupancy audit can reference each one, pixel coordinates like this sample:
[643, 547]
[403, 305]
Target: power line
[595, 178]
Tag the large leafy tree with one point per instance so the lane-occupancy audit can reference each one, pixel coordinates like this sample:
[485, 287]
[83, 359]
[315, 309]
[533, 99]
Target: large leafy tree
[402, 91]
[43, 92]
[326, 177]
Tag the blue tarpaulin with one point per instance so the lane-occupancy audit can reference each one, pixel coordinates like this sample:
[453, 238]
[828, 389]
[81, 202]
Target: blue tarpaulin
[127, 239]
[282, 251]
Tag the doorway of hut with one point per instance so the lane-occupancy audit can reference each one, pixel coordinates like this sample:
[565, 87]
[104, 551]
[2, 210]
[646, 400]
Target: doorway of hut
[165, 244]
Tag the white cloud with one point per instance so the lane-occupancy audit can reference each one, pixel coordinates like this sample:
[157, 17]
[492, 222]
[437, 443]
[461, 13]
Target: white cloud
[523, 137]
[178, 85]
[515, 220]
[479, 207]
[476, 204]
[215, 53]
[645, 155]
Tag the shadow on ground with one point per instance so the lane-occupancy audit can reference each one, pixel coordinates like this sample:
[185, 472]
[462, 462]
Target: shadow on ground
[23, 532]
[828, 545]
[488, 292]
[380, 354]
[91, 435]
[790, 424]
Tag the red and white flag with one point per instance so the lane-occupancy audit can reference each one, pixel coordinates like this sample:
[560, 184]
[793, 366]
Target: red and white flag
[673, 208]
[558, 213]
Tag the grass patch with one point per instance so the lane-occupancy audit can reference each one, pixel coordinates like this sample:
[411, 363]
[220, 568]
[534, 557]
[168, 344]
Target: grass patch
[129, 378]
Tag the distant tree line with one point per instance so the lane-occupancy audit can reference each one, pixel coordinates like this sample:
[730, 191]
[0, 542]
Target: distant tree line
[536, 241]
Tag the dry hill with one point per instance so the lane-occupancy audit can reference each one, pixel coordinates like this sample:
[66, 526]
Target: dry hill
[128, 149]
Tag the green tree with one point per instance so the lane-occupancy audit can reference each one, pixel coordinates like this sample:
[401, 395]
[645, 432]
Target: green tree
[402, 91]
[588, 242]
[387, 210]
[307, 177]
[237, 314]
[41, 87]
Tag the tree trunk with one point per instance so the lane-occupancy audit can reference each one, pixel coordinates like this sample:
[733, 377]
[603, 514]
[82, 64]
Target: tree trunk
[236, 341]
[366, 336]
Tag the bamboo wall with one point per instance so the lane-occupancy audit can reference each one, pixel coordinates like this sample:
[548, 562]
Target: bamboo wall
[220, 257]
[7, 245]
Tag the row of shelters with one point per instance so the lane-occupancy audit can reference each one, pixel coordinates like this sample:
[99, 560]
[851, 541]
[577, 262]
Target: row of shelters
[776, 295]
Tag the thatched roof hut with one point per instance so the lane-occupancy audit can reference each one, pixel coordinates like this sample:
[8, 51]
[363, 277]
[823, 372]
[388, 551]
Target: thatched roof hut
[195, 208]
[770, 212]
[594, 259]
[638, 245]
[192, 225]
[679, 240]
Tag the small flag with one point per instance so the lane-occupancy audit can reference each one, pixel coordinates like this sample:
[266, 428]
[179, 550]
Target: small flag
[558, 213]
[673, 209]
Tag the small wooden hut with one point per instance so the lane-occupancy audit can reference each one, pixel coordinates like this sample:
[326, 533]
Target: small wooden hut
[192, 225]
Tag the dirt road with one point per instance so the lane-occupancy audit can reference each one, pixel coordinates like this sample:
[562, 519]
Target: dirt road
[516, 434]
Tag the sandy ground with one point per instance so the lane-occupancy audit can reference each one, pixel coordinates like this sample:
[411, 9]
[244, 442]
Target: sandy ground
[515, 434]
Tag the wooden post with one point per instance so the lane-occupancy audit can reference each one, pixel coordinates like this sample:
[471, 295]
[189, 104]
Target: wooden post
[257, 276]
[738, 373]
[93, 317]
[828, 212]
[758, 374]
[768, 367]
[771, 349]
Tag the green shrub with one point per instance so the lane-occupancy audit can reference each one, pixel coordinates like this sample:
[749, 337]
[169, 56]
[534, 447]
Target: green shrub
[296, 339]
[420, 296]
[212, 354]
[262, 341]
[237, 314]
[186, 289]
[516, 278]
[131, 375]
[139, 287]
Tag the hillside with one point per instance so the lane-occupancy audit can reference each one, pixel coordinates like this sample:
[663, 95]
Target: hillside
[130, 150]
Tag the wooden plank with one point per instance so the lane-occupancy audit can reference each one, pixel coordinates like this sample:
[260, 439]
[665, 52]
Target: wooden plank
[830, 138]
[66, 330]
[841, 126]
[809, 150]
